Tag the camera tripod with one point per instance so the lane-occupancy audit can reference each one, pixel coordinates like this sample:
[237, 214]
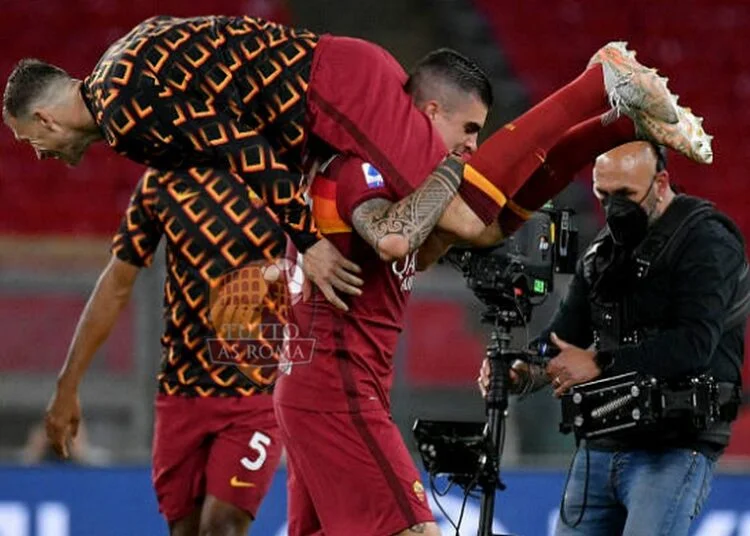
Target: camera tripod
[500, 357]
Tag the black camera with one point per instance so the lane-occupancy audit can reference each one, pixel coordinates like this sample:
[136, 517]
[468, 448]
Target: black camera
[524, 265]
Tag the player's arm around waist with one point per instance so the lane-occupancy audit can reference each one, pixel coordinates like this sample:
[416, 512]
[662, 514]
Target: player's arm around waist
[461, 221]
[454, 229]
[436, 245]
[458, 226]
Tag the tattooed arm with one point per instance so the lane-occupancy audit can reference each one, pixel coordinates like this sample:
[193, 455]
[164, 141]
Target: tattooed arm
[396, 229]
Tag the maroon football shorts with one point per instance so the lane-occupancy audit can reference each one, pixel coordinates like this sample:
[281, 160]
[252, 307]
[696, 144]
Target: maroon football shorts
[349, 473]
[357, 105]
[228, 447]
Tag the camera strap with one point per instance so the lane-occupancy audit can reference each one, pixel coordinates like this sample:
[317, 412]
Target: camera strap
[669, 232]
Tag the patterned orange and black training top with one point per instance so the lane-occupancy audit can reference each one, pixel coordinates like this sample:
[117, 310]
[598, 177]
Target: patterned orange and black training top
[220, 92]
[213, 232]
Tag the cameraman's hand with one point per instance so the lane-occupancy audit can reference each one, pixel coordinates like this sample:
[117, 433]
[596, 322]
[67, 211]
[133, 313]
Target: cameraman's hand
[484, 378]
[571, 367]
[517, 371]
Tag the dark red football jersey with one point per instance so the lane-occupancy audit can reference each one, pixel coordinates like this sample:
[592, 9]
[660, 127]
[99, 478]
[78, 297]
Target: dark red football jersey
[351, 368]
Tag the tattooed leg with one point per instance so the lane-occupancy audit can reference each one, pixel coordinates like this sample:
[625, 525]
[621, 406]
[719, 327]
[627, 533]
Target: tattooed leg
[396, 229]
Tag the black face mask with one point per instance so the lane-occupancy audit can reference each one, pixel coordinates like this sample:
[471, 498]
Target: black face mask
[626, 219]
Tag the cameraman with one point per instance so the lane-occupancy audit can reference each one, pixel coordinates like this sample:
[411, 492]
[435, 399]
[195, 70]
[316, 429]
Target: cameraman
[674, 318]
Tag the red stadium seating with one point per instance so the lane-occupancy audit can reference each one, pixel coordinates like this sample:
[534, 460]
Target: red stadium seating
[37, 330]
[699, 46]
[441, 350]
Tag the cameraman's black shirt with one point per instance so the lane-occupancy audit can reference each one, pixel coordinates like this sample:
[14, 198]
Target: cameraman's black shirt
[693, 293]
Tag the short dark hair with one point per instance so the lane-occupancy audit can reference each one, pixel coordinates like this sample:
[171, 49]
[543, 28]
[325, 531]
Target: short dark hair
[452, 67]
[26, 83]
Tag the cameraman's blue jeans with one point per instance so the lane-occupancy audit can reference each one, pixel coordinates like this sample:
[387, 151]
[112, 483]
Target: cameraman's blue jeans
[636, 493]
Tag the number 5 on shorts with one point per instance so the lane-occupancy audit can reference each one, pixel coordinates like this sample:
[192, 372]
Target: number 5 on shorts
[259, 442]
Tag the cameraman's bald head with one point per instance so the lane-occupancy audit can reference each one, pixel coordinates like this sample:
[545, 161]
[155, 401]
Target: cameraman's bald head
[630, 170]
